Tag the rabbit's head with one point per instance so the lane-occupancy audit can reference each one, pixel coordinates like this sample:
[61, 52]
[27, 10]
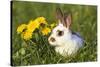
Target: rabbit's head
[61, 32]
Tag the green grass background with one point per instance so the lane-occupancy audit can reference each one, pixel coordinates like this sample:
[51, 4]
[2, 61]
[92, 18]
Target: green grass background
[84, 19]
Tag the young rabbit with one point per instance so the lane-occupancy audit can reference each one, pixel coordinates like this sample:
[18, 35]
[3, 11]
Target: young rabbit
[65, 41]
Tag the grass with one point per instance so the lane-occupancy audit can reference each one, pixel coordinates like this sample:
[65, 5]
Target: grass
[29, 53]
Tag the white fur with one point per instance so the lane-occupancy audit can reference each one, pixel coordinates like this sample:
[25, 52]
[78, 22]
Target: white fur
[67, 44]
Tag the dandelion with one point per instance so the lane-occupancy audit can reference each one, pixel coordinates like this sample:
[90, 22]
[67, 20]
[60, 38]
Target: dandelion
[26, 35]
[52, 25]
[33, 25]
[21, 28]
[27, 30]
[46, 30]
[41, 20]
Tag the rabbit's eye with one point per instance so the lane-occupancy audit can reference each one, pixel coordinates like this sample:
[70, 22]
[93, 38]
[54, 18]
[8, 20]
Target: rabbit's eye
[60, 33]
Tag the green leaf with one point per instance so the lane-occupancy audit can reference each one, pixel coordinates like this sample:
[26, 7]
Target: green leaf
[22, 51]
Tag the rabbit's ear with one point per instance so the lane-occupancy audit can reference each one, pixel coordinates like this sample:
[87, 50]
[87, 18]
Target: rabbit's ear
[68, 20]
[59, 15]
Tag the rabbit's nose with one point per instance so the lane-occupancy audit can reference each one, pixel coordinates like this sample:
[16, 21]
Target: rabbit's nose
[52, 39]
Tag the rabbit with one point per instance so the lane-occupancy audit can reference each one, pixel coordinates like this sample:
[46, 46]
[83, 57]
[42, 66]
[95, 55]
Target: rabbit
[65, 41]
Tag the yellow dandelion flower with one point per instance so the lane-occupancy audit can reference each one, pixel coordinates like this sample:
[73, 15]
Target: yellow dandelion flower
[21, 28]
[33, 25]
[41, 20]
[52, 25]
[26, 35]
[46, 30]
